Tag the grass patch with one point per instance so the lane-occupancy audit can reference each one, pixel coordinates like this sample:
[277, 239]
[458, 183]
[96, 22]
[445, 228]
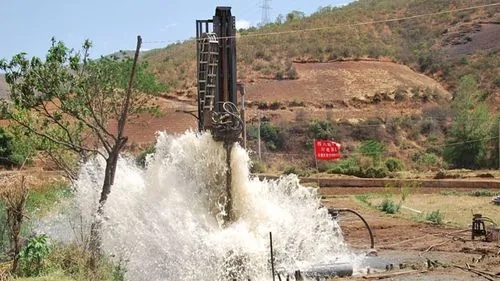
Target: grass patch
[484, 193]
[71, 262]
[42, 200]
[449, 193]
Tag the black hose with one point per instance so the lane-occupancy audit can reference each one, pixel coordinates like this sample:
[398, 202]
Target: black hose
[335, 210]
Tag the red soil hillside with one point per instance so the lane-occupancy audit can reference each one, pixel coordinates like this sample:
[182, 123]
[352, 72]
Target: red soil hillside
[348, 89]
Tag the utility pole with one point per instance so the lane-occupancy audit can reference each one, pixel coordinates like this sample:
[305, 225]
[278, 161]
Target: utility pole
[258, 137]
[241, 88]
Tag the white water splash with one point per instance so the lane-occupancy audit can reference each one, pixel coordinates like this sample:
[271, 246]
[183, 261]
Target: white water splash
[166, 219]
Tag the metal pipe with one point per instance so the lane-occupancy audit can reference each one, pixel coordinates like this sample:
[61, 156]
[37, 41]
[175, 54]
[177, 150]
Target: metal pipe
[272, 254]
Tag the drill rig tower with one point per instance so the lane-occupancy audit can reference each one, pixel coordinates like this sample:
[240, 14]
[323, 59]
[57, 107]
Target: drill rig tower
[217, 88]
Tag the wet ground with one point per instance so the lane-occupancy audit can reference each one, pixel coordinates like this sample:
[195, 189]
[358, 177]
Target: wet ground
[412, 250]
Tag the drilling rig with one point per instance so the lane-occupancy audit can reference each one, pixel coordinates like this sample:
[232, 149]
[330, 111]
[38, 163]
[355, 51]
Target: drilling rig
[217, 86]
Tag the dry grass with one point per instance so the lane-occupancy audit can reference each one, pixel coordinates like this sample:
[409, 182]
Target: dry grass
[457, 209]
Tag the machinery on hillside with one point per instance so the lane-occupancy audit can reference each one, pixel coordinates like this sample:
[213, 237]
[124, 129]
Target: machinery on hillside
[217, 88]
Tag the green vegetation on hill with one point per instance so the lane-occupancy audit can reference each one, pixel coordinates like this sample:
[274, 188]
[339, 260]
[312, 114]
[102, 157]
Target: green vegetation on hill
[355, 31]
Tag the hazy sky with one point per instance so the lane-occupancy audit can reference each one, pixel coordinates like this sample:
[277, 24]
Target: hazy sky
[28, 25]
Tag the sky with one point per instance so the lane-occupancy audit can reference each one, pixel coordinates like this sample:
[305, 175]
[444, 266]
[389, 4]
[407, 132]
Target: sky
[28, 25]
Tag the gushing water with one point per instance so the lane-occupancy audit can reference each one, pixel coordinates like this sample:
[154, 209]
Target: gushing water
[166, 219]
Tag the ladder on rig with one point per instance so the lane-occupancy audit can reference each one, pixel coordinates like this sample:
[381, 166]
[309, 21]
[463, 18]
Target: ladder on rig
[207, 75]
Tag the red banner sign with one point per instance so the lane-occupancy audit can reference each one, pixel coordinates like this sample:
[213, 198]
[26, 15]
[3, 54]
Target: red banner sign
[327, 150]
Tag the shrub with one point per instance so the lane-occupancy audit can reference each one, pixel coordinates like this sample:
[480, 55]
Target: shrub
[372, 172]
[15, 147]
[389, 206]
[252, 132]
[273, 137]
[321, 129]
[344, 166]
[373, 149]
[295, 170]
[350, 166]
[275, 105]
[291, 170]
[296, 102]
[427, 160]
[257, 167]
[33, 255]
[429, 126]
[394, 164]
[279, 75]
[291, 73]
[435, 217]
[497, 82]
[367, 130]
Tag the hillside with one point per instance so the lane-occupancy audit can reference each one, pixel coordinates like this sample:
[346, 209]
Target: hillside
[373, 69]
[444, 46]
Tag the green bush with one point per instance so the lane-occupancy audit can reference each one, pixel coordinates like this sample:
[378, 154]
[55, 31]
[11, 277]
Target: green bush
[394, 164]
[252, 132]
[15, 148]
[372, 172]
[32, 256]
[351, 167]
[272, 136]
[389, 206]
[321, 130]
[435, 217]
[372, 149]
[427, 160]
[343, 166]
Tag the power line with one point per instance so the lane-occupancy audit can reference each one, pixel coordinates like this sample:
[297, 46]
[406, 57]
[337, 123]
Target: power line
[348, 24]
[265, 12]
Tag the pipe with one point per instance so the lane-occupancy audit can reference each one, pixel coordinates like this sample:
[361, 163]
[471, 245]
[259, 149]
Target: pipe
[272, 254]
[332, 211]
